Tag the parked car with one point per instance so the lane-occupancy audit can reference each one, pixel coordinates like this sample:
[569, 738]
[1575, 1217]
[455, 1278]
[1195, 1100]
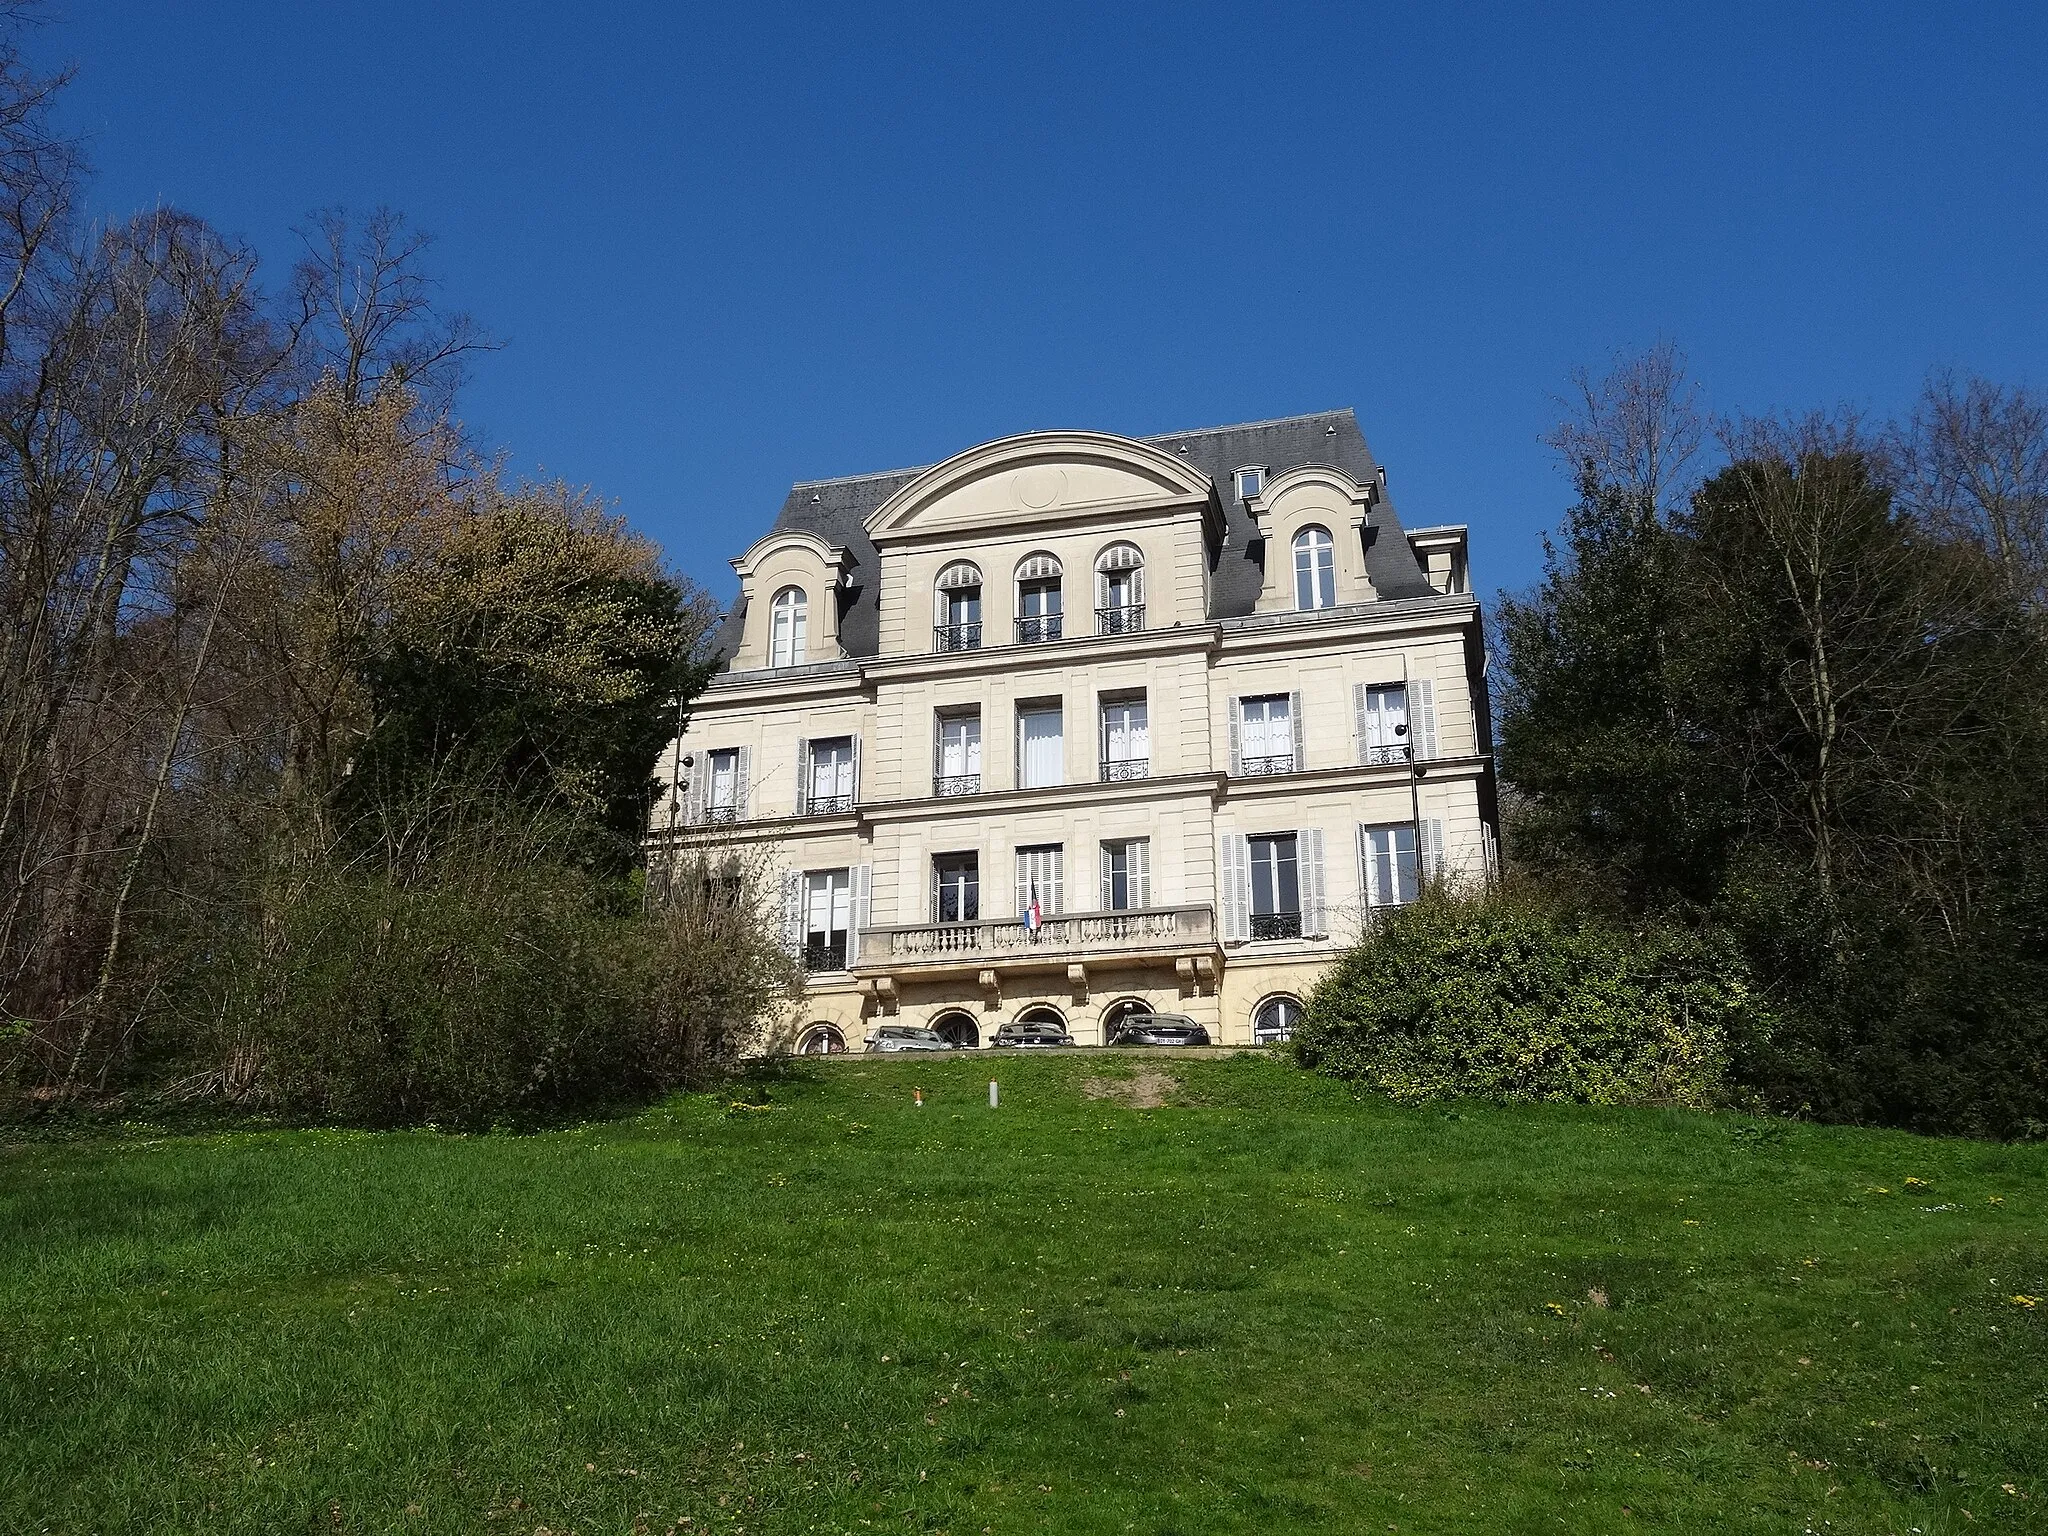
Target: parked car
[1035, 1035]
[1159, 1029]
[906, 1037]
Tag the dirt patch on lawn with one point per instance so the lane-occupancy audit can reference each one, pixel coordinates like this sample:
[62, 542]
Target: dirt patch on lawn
[1141, 1090]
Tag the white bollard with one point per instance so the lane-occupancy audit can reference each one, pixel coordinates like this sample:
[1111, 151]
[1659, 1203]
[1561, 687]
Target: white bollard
[991, 1093]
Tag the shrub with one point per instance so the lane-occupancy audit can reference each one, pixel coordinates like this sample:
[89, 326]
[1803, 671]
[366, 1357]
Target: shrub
[1495, 996]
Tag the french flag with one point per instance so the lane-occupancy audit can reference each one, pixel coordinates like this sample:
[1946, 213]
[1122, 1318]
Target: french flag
[1032, 916]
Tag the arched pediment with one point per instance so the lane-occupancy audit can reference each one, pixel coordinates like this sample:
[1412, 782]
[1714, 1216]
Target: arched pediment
[1311, 488]
[834, 559]
[1038, 477]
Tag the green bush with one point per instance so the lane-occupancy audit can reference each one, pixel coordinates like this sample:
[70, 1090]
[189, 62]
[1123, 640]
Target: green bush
[1497, 997]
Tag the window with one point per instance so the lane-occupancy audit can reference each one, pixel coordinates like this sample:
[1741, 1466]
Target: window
[1315, 569]
[1275, 1020]
[1126, 741]
[1276, 888]
[1041, 883]
[1250, 482]
[1120, 590]
[828, 911]
[1127, 875]
[1040, 748]
[830, 788]
[822, 1040]
[788, 621]
[957, 1030]
[722, 786]
[959, 608]
[1038, 600]
[1383, 723]
[1388, 865]
[956, 767]
[1266, 735]
[956, 888]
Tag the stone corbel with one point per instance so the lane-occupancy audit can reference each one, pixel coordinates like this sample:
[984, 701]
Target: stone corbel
[1205, 969]
[881, 991]
[1184, 972]
[991, 992]
[1077, 980]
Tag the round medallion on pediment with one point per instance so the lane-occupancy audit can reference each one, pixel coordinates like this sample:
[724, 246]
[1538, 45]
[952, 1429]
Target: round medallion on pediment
[1039, 487]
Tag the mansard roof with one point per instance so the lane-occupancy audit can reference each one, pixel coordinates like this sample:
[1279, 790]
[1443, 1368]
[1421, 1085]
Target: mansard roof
[838, 511]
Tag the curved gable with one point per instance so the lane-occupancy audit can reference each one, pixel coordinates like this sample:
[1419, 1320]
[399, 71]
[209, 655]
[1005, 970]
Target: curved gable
[1043, 476]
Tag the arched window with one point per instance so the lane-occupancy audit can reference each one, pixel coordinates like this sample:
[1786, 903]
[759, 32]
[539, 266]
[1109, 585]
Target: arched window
[1119, 590]
[1274, 1021]
[958, 1030]
[788, 620]
[1038, 599]
[821, 1040]
[1315, 569]
[957, 622]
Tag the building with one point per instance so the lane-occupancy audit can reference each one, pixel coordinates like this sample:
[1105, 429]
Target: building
[1072, 724]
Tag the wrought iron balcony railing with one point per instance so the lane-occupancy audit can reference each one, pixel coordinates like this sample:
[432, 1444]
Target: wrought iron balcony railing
[956, 784]
[828, 805]
[1261, 767]
[1126, 768]
[722, 815]
[1400, 752]
[957, 637]
[825, 954]
[1276, 925]
[1127, 620]
[1044, 626]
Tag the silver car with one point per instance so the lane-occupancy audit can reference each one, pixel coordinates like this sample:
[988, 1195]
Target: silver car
[906, 1037]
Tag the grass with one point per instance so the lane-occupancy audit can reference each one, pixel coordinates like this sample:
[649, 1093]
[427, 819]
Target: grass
[1264, 1307]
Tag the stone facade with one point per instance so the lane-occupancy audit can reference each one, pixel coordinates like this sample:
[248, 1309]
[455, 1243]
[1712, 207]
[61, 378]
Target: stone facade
[1199, 698]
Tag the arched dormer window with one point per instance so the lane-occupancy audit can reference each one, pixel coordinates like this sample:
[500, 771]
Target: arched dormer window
[1315, 569]
[1038, 599]
[957, 612]
[1120, 590]
[788, 621]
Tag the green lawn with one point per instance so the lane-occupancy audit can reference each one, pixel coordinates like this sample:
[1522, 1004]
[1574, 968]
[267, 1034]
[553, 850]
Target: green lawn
[1265, 1307]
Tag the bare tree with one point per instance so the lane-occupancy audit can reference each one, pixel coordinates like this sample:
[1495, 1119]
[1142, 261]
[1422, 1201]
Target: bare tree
[1637, 429]
[1973, 463]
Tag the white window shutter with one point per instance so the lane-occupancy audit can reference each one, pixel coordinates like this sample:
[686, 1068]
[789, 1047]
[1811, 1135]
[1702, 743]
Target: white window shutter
[854, 788]
[1236, 735]
[1141, 872]
[1295, 724]
[1309, 848]
[803, 774]
[1361, 730]
[1367, 896]
[1423, 692]
[696, 795]
[1138, 585]
[1237, 887]
[1429, 848]
[739, 789]
[1108, 884]
[1058, 900]
[1023, 885]
[793, 911]
[861, 881]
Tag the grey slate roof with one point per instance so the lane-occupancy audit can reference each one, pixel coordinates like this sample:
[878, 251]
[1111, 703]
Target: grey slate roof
[837, 511]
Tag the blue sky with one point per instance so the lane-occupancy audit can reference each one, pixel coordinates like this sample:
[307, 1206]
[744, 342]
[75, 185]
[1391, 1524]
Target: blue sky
[729, 248]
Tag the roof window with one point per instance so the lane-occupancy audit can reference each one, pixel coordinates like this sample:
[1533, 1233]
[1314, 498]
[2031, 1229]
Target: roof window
[1251, 480]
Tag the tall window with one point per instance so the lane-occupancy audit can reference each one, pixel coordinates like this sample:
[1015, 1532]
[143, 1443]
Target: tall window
[831, 782]
[789, 618]
[1041, 879]
[956, 887]
[1126, 874]
[1315, 569]
[1038, 600]
[959, 608]
[1120, 590]
[1126, 741]
[722, 788]
[1276, 888]
[1267, 741]
[1041, 748]
[828, 909]
[1384, 723]
[1390, 866]
[956, 766]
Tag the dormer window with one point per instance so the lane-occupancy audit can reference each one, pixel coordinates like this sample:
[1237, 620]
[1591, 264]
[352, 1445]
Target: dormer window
[1251, 480]
[1315, 570]
[788, 620]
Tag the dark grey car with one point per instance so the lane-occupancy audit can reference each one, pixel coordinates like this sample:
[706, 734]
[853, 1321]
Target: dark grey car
[1159, 1029]
[1031, 1036]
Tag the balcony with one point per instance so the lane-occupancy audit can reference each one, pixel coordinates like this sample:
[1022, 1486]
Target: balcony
[1265, 767]
[1127, 620]
[956, 784]
[1276, 925]
[1124, 769]
[828, 805]
[957, 637]
[1039, 628]
[1385, 757]
[1004, 941]
[721, 815]
[825, 954]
